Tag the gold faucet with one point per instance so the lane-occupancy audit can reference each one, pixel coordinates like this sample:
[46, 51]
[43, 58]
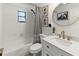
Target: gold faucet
[63, 34]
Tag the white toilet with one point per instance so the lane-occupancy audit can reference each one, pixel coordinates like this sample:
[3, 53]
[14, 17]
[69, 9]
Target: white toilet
[37, 47]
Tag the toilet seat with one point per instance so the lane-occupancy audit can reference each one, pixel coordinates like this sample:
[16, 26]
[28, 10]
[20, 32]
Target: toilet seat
[35, 48]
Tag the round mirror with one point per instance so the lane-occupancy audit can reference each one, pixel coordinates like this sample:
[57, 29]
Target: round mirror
[65, 15]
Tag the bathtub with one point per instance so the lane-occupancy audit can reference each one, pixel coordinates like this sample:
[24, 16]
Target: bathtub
[22, 50]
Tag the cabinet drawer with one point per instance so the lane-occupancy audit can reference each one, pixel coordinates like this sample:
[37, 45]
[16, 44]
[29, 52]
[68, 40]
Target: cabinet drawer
[54, 50]
[46, 53]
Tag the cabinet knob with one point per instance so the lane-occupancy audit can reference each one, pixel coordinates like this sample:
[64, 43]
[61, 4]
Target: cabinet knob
[47, 54]
[47, 46]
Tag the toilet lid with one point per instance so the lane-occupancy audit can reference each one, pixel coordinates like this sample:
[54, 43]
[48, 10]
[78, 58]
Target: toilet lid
[36, 46]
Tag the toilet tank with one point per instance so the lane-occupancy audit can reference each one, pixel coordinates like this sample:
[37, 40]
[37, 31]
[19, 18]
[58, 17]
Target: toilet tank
[43, 36]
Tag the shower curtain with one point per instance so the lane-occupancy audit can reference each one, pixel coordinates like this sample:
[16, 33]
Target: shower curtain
[37, 25]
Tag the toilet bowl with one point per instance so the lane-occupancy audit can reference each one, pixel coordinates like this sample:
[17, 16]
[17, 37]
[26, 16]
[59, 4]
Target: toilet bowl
[37, 47]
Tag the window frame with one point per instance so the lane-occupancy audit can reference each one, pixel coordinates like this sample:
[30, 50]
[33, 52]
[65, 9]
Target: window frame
[22, 16]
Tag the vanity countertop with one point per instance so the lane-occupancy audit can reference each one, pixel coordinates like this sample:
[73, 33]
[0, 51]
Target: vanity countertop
[72, 47]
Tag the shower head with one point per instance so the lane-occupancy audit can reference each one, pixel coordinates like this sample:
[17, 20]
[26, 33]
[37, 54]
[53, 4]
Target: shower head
[32, 11]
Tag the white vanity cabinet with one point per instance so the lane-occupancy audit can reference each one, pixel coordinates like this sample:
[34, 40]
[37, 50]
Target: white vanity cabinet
[49, 49]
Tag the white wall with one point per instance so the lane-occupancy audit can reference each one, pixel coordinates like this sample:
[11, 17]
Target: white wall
[51, 7]
[16, 34]
[73, 10]
[71, 30]
[40, 4]
[73, 15]
[1, 26]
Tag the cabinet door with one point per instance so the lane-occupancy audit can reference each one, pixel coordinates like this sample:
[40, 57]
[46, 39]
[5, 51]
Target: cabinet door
[53, 49]
[46, 53]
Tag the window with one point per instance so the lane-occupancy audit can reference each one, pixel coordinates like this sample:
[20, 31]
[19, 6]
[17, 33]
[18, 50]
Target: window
[21, 16]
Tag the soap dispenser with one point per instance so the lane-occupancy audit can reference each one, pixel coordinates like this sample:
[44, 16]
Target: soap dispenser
[53, 29]
[63, 34]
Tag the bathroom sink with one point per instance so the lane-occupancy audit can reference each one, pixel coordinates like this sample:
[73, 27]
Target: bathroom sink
[61, 40]
[56, 40]
[64, 41]
[54, 36]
